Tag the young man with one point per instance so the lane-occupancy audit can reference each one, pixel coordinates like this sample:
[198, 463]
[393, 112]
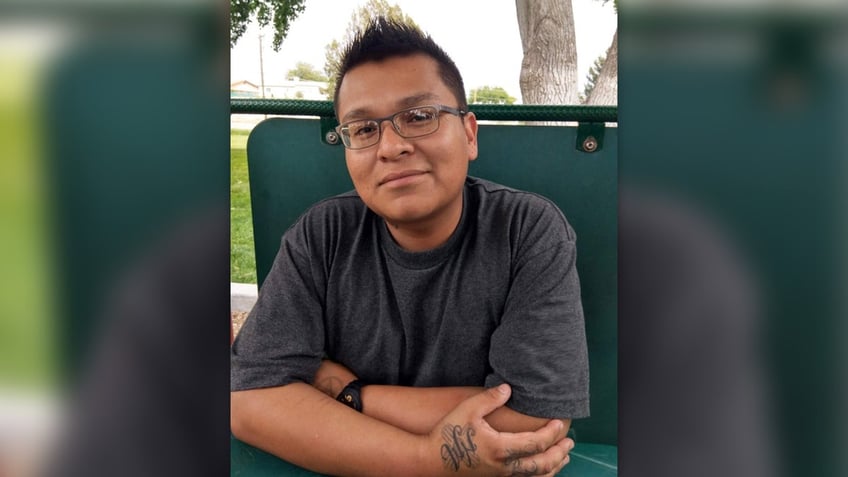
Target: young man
[389, 309]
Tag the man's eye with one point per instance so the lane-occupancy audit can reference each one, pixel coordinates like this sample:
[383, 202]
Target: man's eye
[418, 115]
[361, 129]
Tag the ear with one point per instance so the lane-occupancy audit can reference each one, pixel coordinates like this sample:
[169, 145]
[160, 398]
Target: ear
[470, 122]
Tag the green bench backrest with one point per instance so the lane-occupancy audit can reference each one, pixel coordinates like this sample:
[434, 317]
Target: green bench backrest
[291, 168]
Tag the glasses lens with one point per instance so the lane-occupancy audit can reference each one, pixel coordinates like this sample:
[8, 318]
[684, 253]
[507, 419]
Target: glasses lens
[361, 134]
[409, 123]
[417, 122]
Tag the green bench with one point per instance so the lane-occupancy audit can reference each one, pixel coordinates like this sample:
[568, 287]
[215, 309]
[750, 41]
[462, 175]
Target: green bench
[293, 163]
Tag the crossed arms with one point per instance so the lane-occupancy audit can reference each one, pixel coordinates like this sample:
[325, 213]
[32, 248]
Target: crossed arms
[417, 430]
[402, 430]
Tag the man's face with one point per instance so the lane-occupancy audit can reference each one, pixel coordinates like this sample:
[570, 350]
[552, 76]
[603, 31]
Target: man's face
[414, 183]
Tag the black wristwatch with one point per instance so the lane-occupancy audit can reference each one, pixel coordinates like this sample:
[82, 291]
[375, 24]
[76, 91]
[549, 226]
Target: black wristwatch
[350, 395]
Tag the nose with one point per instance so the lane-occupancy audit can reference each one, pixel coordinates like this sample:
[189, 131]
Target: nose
[392, 145]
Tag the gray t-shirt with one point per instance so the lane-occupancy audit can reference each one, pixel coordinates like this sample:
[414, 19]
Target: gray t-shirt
[498, 302]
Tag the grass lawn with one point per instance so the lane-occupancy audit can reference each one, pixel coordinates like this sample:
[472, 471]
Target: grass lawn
[242, 258]
[27, 331]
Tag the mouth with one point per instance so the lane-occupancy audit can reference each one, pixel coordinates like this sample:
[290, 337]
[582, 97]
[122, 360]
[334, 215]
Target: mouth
[398, 177]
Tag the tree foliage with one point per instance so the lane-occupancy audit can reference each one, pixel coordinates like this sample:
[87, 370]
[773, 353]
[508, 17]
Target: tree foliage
[592, 77]
[490, 95]
[602, 85]
[278, 13]
[358, 21]
[306, 72]
[605, 89]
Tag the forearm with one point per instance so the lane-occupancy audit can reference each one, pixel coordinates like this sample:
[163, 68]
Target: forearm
[417, 410]
[304, 426]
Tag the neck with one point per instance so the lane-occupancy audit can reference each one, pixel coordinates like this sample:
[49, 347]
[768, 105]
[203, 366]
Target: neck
[421, 236]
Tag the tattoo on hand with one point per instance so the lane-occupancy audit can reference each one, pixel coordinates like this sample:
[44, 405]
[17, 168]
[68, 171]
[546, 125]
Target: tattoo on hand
[513, 461]
[459, 447]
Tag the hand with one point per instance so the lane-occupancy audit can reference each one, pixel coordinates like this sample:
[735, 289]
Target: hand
[467, 445]
[332, 377]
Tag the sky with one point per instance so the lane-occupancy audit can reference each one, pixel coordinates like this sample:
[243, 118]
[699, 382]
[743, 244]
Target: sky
[480, 35]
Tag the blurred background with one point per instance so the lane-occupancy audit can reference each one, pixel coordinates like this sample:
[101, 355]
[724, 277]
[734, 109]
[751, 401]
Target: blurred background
[114, 239]
[732, 238]
[113, 231]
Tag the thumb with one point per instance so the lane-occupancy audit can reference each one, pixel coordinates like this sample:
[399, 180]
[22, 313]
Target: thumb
[489, 400]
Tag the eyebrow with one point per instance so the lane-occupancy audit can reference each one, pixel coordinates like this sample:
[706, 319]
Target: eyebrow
[407, 102]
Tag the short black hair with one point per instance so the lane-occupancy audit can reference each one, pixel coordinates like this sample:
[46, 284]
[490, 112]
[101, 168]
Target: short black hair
[385, 38]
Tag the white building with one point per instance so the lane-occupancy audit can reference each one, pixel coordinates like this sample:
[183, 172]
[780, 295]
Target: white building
[289, 89]
[244, 89]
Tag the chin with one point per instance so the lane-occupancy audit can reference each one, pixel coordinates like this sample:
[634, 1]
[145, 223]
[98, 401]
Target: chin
[406, 210]
[404, 218]
[410, 214]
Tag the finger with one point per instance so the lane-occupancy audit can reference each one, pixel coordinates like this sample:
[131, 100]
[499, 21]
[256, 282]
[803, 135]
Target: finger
[530, 443]
[526, 451]
[559, 468]
[556, 429]
[549, 462]
[533, 466]
[561, 453]
[562, 464]
[485, 402]
[568, 443]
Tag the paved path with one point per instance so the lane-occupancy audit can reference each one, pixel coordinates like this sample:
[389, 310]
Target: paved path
[242, 296]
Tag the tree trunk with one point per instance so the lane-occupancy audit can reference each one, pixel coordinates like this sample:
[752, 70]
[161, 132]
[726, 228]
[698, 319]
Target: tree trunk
[549, 67]
[605, 92]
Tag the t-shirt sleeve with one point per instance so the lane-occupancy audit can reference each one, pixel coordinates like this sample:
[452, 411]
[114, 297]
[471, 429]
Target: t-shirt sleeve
[539, 347]
[282, 339]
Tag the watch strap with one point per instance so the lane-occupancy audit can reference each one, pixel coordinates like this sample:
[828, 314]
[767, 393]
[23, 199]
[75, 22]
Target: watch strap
[351, 395]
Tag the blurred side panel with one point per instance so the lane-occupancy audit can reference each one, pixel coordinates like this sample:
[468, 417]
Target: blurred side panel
[732, 238]
[131, 117]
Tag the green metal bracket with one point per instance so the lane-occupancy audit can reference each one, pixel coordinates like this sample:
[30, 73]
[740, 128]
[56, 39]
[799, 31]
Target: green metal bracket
[590, 137]
[328, 131]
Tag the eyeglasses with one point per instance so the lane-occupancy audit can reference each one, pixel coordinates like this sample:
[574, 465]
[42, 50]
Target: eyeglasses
[409, 123]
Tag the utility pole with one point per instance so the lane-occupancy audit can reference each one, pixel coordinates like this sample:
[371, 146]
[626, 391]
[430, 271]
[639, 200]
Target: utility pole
[261, 67]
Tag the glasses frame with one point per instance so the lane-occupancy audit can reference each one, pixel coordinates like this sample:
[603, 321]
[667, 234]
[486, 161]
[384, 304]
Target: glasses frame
[440, 108]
